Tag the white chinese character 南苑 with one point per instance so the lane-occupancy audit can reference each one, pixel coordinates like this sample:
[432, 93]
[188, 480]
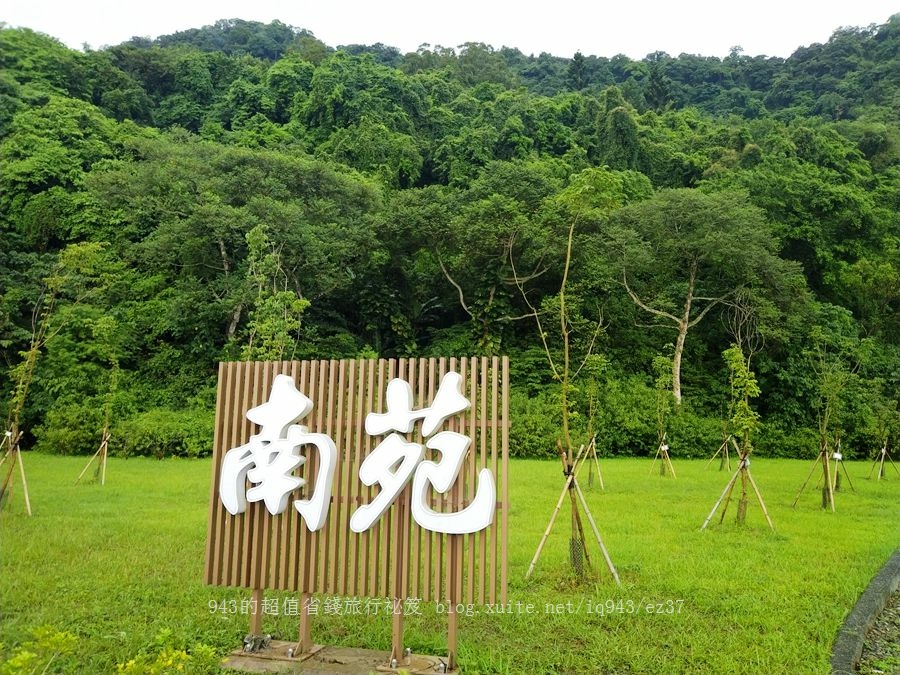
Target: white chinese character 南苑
[395, 460]
[270, 457]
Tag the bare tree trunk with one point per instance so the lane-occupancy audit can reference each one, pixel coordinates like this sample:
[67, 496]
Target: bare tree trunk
[236, 314]
[226, 265]
[564, 331]
[683, 326]
[676, 360]
[235, 320]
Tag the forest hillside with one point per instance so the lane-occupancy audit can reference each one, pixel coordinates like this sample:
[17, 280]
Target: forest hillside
[244, 191]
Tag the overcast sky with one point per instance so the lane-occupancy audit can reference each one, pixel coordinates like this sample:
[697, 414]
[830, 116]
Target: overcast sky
[560, 27]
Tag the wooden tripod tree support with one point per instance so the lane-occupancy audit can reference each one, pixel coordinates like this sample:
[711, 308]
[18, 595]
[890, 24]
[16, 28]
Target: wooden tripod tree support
[839, 464]
[101, 455]
[746, 478]
[723, 451]
[14, 454]
[592, 454]
[879, 462]
[662, 454]
[828, 487]
[576, 496]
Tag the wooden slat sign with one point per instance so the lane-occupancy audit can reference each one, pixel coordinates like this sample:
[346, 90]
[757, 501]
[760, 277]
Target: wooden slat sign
[304, 468]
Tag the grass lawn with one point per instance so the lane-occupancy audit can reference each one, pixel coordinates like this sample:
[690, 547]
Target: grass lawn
[120, 566]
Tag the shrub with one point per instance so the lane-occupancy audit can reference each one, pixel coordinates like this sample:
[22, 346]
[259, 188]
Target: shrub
[165, 433]
[693, 435]
[625, 417]
[71, 427]
[774, 441]
[536, 424]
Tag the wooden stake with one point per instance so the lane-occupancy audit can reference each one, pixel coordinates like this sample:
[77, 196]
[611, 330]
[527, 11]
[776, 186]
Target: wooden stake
[759, 497]
[662, 453]
[87, 466]
[15, 453]
[840, 463]
[727, 490]
[105, 446]
[722, 449]
[585, 459]
[827, 474]
[559, 502]
[102, 454]
[24, 481]
[671, 468]
[879, 462]
[597, 462]
[587, 513]
[891, 459]
[728, 500]
[797, 498]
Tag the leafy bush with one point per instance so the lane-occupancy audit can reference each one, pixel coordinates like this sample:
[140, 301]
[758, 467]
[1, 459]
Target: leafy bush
[72, 427]
[774, 441]
[693, 435]
[625, 417]
[536, 424]
[165, 433]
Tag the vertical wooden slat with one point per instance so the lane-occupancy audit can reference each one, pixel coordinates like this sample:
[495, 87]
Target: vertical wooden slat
[242, 520]
[320, 546]
[457, 493]
[413, 563]
[471, 476]
[421, 542]
[482, 463]
[289, 551]
[341, 500]
[353, 475]
[385, 539]
[367, 540]
[215, 524]
[237, 521]
[434, 539]
[270, 372]
[254, 553]
[504, 483]
[331, 524]
[305, 558]
[280, 526]
[375, 589]
[494, 525]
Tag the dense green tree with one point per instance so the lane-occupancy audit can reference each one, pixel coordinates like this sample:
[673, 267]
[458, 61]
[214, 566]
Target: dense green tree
[576, 76]
[683, 253]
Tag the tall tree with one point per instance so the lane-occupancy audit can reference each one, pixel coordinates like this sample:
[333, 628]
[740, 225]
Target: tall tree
[683, 253]
[576, 77]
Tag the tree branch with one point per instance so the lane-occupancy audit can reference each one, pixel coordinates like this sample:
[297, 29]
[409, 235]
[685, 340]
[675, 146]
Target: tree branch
[534, 312]
[645, 307]
[462, 298]
[713, 303]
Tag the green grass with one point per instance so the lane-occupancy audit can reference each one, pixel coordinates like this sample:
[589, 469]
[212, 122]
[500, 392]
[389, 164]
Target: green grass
[118, 565]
